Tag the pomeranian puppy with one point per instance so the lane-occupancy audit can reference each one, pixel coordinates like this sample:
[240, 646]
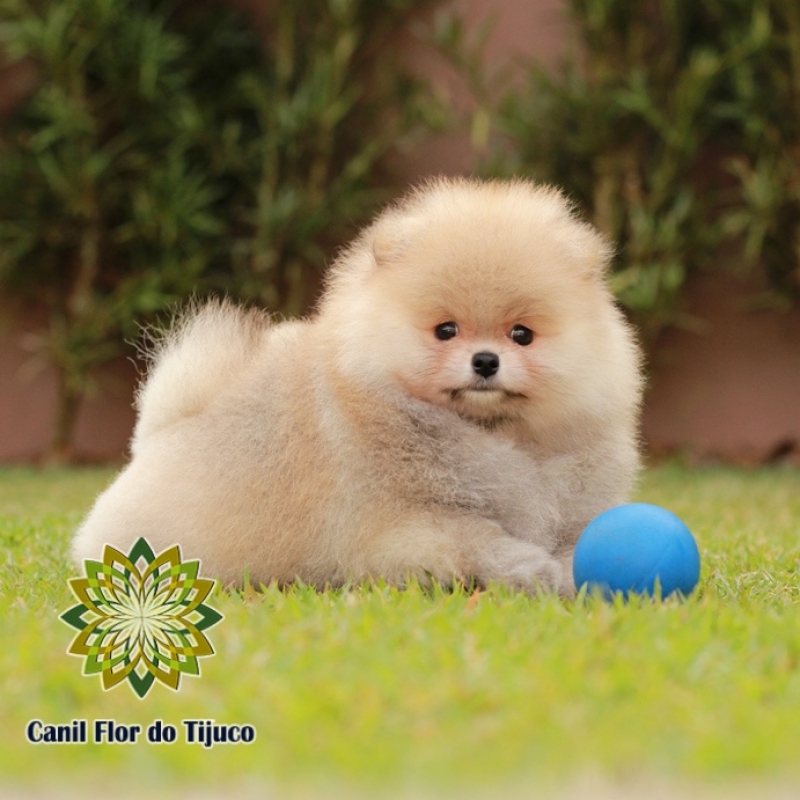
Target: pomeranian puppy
[464, 401]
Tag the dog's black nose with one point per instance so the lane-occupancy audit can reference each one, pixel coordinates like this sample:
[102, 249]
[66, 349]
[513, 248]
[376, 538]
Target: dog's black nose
[485, 364]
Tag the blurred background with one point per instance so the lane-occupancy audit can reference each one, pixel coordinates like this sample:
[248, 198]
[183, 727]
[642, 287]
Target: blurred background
[155, 151]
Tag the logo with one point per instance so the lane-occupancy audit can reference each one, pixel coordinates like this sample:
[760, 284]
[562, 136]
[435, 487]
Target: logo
[141, 617]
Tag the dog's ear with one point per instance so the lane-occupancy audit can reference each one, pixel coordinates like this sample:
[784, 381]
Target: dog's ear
[392, 237]
[589, 249]
[593, 251]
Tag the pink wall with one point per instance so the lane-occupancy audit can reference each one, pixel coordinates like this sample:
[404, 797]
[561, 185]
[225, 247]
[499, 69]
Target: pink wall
[733, 388]
[521, 29]
[28, 397]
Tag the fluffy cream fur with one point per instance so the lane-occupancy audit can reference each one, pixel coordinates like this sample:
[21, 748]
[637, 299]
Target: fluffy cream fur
[359, 443]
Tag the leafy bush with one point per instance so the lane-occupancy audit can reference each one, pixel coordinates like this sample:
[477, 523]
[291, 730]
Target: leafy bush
[167, 150]
[675, 125]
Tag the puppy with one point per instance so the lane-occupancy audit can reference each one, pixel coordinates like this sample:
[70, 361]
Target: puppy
[464, 401]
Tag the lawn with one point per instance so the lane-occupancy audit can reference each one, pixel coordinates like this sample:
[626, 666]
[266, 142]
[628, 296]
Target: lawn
[377, 692]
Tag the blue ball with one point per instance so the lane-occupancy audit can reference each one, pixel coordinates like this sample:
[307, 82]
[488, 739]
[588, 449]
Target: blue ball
[628, 548]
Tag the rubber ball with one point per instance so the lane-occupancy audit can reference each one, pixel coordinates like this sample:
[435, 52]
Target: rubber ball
[634, 547]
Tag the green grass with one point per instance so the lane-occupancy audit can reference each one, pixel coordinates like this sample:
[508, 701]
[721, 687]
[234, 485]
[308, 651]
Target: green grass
[361, 692]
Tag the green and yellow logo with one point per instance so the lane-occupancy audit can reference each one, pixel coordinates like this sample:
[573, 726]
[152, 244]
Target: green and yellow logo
[141, 617]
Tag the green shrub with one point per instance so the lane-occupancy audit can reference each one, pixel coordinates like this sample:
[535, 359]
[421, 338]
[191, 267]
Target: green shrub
[675, 126]
[167, 150]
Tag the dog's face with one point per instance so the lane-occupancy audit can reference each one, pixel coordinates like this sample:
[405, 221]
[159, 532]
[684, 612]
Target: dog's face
[478, 337]
[489, 301]
[479, 372]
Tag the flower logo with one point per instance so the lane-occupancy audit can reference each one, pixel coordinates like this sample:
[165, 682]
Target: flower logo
[141, 617]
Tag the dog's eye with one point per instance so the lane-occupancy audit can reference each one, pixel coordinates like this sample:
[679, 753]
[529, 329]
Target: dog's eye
[445, 331]
[521, 335]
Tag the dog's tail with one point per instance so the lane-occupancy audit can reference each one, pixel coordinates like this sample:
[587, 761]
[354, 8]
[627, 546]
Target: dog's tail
[204, 349]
